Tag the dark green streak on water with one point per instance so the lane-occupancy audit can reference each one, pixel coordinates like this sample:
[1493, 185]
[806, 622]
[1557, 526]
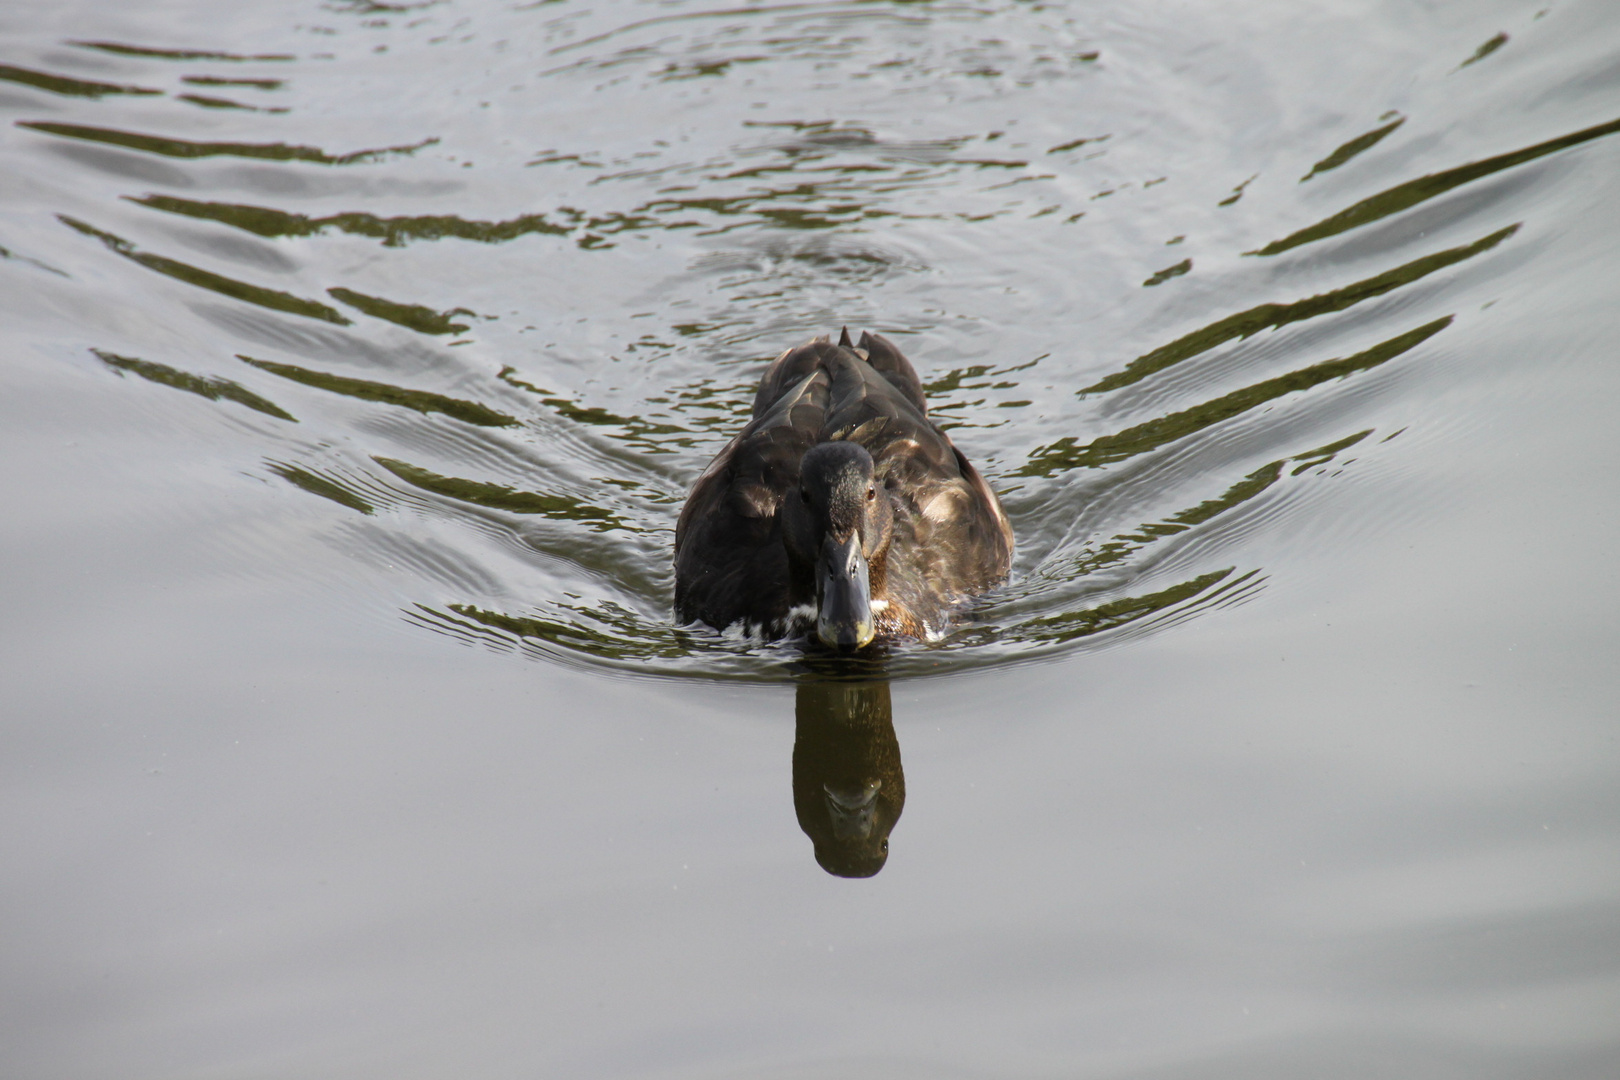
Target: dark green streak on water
[497, 497]
[320, 485]
[423, 320]
[60, 84]
[801, 160]
[191, 275]
[1065, 454]
[222, 103]
[1124, 545]
[214, 80]
[393, 232]
[820, 208]
[177, 54]
[1076, 144]
[1162, 276]
[639, 431]
[676, 72]
[1056, 629]
[1485, 50]
[1355, 146]
[1412, 192]
[572, 636]
[952, 380]
[1237, 192]
[609, 632]
[620, 635]
[7, 253]
[770, 10]
[1265, 316]
[214, 389]
[181, 148]
[421, 400]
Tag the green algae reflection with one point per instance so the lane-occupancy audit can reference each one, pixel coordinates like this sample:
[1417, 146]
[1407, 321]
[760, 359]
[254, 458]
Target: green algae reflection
[61, 84]
[211, 387]
[144, 51]
[1123, 546]
[642, 434]
[215, 80]
[424, 320]
[609, 634]
[423, 401]
[1162, 276]
[184, 148]
[511, 500]
[208, 102]
[1066, 627]
[1409, 194]
[1067, 454]
[1267, 316]
[273, 299]
[1485, 50]
[392, 231]
[1358, 145]
[624, 637]
[316, 484]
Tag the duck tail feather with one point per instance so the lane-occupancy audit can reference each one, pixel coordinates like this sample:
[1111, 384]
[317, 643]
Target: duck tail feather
[892, 364]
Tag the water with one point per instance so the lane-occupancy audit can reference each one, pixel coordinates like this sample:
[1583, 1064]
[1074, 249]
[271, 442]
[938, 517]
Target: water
[359, 357]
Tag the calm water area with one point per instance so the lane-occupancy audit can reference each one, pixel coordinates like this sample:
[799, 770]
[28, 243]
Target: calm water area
[355, 360]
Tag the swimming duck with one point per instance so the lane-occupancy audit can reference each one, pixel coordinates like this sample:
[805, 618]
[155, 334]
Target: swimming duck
[840, 509]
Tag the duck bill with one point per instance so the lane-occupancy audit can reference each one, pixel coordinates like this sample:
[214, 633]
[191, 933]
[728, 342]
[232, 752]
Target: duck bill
[852, 810]
[845, 619]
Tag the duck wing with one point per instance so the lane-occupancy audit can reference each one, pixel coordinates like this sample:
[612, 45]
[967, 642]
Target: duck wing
[730, 563]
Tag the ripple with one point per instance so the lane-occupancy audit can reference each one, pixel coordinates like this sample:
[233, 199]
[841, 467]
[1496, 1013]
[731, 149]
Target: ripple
[211, 387]
[1246, 324]
[499, 497]
[274, 299]
[1067, 454]
[183, 148]
[1354, 147]
[322, 484]
[148, 52]
[929, 176]
[1402, 196]
[422, 401]
[448, 566]
[393, 232]
[62, 84]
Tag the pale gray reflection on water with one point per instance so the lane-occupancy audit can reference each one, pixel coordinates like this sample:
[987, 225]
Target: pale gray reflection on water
[359, 357]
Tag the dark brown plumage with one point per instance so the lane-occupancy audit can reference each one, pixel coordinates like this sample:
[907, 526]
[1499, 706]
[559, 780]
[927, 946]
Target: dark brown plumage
[783, 532]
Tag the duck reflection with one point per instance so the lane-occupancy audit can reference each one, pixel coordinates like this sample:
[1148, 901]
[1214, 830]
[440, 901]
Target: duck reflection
[848, 788]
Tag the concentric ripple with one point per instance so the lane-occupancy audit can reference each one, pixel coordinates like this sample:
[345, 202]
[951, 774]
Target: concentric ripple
[491, 323]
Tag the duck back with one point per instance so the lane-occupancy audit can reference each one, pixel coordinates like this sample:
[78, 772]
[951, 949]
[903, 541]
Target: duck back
[951, 539]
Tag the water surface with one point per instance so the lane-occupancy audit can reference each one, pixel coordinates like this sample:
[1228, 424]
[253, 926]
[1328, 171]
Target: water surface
[359, 357]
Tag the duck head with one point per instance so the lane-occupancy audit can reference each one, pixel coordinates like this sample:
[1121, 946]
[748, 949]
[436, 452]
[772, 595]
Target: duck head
[838, 527]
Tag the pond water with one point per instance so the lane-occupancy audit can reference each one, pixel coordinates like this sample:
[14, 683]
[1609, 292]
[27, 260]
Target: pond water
[358, 357]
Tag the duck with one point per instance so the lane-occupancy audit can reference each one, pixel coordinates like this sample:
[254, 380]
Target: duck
[841, 512]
